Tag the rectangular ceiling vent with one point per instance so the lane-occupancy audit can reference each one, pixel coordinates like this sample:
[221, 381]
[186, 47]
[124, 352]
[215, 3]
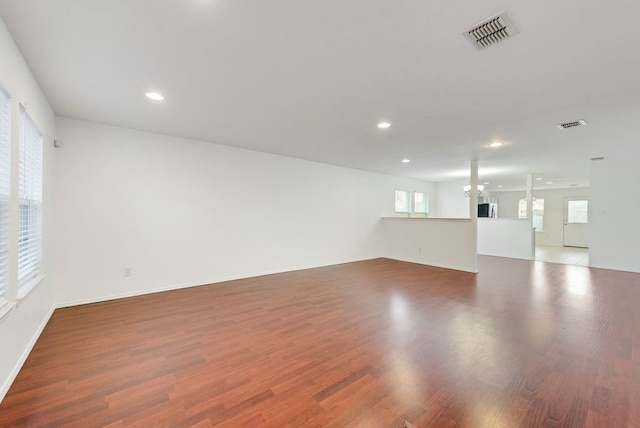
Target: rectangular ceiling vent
[491, 31]
[573, 124]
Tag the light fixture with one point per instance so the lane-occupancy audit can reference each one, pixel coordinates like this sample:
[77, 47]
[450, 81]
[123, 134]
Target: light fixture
[384, 125]
[549, 182]
[500, 186]
[496, 144]
[467, 190]
[154, 96]
[405, 160]
[539, 179]
[486, 182]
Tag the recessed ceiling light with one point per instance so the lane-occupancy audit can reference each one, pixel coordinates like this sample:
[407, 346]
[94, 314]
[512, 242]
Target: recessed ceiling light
[154, 96]
[405, 160]
[573, 185]
[539, 179]
[496, 144]
[384, 125]
[549, 182]
[500, 186]
[485, 183]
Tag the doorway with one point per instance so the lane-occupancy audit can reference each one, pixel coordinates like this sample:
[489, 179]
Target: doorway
[576, 222]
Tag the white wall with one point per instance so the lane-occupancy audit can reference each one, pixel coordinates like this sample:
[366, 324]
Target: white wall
[505, 237]
[21, 327]
[508, 203]
[554, 200]
[181, 212]
[450, 200]
[614, 228]
[445, 243]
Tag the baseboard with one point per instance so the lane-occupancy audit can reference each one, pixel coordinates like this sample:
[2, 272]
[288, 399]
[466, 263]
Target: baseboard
[507, 257]
[443, 266]
[189, 285]
[25, 354]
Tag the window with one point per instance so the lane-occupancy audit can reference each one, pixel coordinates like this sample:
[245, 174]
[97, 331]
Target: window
[30, 199]
[577, 211]
[406, 205]
[420, 204]
[538, 212]
[5, 168]
[403, 205]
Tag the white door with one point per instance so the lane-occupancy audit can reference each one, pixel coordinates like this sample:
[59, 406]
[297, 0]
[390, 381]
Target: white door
[576, 219]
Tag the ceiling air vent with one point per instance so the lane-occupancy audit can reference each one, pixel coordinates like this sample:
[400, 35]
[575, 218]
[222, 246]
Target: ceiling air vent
[573, 124]
[491, 31]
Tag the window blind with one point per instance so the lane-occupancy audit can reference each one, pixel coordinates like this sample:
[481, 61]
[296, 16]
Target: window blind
[30, 198]
[5, 168]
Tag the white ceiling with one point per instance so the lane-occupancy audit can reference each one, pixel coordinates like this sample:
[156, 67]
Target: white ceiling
[312, 79]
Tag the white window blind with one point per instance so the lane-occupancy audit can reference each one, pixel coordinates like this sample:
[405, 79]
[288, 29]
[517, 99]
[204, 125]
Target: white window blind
[5, 164]
[30, 198]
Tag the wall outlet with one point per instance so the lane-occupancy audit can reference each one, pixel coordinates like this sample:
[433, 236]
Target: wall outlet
[419, 250]
[127, 271]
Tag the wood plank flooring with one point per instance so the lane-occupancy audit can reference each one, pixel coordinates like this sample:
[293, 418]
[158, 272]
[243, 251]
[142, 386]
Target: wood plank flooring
[367, 344]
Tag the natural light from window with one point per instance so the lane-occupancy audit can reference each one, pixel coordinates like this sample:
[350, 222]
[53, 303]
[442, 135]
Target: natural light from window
[402, 202]
[577, 211]
[538, 212]
[420, 204]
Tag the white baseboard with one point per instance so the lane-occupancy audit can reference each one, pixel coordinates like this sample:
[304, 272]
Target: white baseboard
[438, 265]
[25, 354]
[189, 285]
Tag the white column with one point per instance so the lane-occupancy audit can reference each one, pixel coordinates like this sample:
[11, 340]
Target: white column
[473, 209]
[473, 181]
[530, 198]
[530, 214]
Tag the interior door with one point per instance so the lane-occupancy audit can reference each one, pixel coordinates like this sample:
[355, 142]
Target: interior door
[576, 222]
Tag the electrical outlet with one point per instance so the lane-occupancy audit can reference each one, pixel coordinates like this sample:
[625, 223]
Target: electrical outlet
[127, 271]
[419, 250]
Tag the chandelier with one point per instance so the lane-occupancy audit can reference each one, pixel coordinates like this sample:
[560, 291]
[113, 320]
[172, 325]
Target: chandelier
[467, 190]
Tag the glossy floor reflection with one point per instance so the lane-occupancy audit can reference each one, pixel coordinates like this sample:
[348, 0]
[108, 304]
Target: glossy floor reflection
[367, 344]
[564, 255]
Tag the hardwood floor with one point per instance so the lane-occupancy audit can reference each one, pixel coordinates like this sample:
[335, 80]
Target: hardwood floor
[368, 344]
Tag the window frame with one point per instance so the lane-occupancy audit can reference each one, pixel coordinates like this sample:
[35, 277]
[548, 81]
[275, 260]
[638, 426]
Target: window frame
[581, 219]
[425, 199]
[407, 202]
[30, 195]
[538, 219]
[5, 199]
